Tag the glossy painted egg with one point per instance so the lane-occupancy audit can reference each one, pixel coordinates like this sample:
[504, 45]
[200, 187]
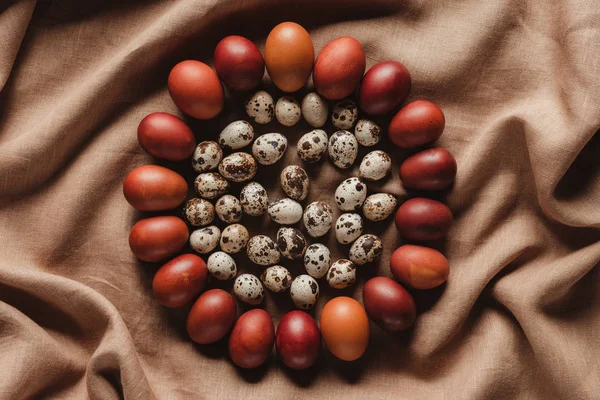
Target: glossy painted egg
[287, 111]
[304, 291]
[317, 259]
[348, 227]
[196, 89]
[238, 63]
[221, 266]
[298, 340]
[417, 124]
[350, 194]
[211, 185]
[180, 281]
[157, 238]
[238, 167]
[388, 304]
[312, 145]
[294, 182]
[367, 132]
[211, 317]
[289, 56]
[248, 289]
[419, 267]
[315, 110]
[339, 68]
[165, 136]
[207, 156]
[285, 211]
[199, 212]
[260, 107]
[276, 278]
[345, 328]
[366, 249]
[262, 250]
[252, 339]
[423, 219]
[236, 135]
[205, 240]
[234, 238]
[344, 114]
[384, 87]
[375, 166]
[318, 217]
[254, 199]
[432, 169]
[269, 148]
[154, 188]
[341, 274]
[229, 209]
[291, 243]
[379, 206]
[343, 149]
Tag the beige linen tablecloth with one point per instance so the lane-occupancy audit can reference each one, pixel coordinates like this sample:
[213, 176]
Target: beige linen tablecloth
[519, 82]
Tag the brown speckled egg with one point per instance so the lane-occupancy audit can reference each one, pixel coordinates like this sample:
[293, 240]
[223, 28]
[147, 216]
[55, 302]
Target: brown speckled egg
[285, 211]
[366, 249]
[367, 132]
[207, 156]
[294, 182]
[379, 206]
[199, 212]
[248, 289]
[315, 110]
[318, 218]
[205, 240]
[234, 238]
[291, 243]
[254, 199]
[238, 167]
[236, 135]
[317, 259]
[343, 149]
[276, 278]
[262, 250]
[304, 291]
[344, 114]
[375, 166]
[269, 148]
[229, 209]
[312, 145]
[211, 185]
[221, 266]
[260, 107]
[341, 274]
[287, 111]
[348, 228]
[350, 194]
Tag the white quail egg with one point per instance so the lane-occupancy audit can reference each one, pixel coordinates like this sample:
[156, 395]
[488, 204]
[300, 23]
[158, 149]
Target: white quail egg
[229, 209]
[285, 211]
[260, 108]
[343, 149]
[291, 243]
[269, 148]
[199, 212]
[262, 250]
[318, 218]
[312, 145]
[379, 206]
[211, 185]
[254, 199]
[238, 167]
[375, 166]
[248, 289]
[276, 278]
[304, 291]
[348, 227]
[341, 274]
[221, 266]
[287, 111]
[350, 194]
[367, 248]
[207, 156]
[315, 110]
[234, 238]
[294, 182]
[236, 135]
[344, 114]
[316, 260]
[204, 240]
[367, 132]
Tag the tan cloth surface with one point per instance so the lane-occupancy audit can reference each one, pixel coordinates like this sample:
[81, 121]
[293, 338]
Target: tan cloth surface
[519, 82]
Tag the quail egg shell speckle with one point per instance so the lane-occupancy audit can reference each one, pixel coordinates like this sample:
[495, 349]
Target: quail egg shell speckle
[315, 110]
[211, 185]
[350, 194]
[348, 227]
[287, 111]
[367, 248]
[276, 278]
[221, 266]
[317, 259]
[269, 148]
[199, 212]
[291, 243]
[229, 209]
[248, 289]
[205, 240]
[236, 135]
[294, 182]
[254, 199]
[304, 291]
[379, 206]
[207, 156]
[312, 145]
[285, 211]
[367, 132]
[344, 114]
[260, 107]
[234, 238]
[238, 167]
[262, 250]
[318, 218]
[343, 149]
[341, 274]
[375, 165]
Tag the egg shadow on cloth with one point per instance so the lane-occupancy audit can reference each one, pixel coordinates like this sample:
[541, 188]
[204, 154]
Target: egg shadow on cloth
[350, 371]
[303, 377]
[214, 350]
[254, 375]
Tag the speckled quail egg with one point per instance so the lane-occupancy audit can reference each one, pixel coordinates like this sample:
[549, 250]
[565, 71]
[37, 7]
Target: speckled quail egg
[341, 274]
[248, 289]
[236, 135]
[366, 249]
[207, 156]
[238, 167]
[343, 149]
[294, 182]
[269, 148]
[304, 291]
[221, 266]
[276, 278]
[367, 132]
[199, 212]
[260, 108]
[204, 240]
[312, 145]
[254, 199]
[350, 194]
[379, 206]
[287, 111]
[229, 209]
[291, 243]
[344, 114]
[234, 238]
[315, 110]
[348, 227]
[262, 250]
[211, 185]
[316, 260]
[318, 218]
[375, 166]
[285, 211]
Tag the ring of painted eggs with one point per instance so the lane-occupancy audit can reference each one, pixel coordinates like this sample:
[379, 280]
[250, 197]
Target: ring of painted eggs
[238, 63]
[416, 124]
[423, 219]
[252, 339]
[211, 317]
[419, 267]
[345, 328]
[165, 136]
[157, 238]
[388, 304]
[384, 87]
[431, 169]
[298, 340]
[154, 188]
[180, 281]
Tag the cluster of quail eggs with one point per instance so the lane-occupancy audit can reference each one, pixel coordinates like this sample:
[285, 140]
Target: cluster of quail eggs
[216, 172]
